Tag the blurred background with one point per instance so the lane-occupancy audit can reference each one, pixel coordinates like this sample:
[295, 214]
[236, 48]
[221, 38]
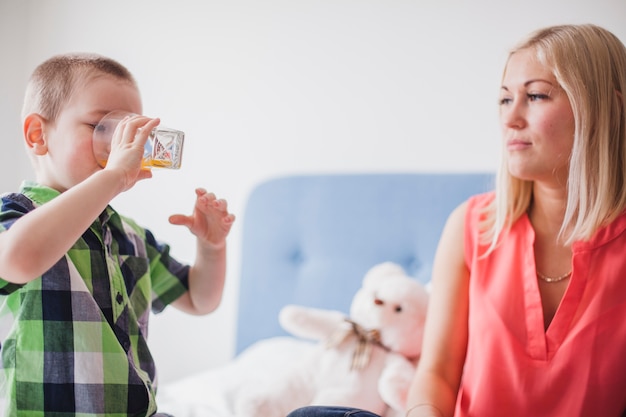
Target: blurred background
[277, 87]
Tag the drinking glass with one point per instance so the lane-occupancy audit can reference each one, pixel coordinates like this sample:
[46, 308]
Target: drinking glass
[163, 149]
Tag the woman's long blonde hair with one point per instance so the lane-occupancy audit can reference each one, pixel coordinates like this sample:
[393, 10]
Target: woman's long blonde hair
[589, 64]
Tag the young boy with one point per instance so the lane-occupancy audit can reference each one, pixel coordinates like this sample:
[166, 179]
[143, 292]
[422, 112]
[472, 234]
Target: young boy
[78, 280]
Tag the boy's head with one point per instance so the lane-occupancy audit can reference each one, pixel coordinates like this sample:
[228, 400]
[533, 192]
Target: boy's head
[55, 80]
[66, 97]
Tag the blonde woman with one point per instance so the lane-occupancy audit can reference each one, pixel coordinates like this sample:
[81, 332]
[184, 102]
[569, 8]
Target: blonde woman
[528, 310]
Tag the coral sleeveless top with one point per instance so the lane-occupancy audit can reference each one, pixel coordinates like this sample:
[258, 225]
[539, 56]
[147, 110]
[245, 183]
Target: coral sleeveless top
[515, 368]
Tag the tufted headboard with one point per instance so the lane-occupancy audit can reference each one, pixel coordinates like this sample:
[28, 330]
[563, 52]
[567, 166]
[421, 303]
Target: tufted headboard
[310, 239]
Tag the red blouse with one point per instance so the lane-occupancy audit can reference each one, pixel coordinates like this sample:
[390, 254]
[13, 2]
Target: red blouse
[515, 368]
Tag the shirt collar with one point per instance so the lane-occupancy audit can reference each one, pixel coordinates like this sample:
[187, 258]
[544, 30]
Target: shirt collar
[39, 194]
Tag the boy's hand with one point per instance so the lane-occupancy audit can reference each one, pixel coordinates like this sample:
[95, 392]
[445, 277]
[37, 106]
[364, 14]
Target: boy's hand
[210, 221]
[127, 148]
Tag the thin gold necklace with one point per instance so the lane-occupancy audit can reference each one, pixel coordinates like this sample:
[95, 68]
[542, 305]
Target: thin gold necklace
[553, 279]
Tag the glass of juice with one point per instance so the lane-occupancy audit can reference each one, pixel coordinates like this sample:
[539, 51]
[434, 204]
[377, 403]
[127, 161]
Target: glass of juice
[163, 149]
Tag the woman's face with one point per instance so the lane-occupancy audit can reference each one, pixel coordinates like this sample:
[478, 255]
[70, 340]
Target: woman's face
[536, 119]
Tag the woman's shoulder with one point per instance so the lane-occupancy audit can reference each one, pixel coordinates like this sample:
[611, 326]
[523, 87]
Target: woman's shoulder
[471, 210]
[481, 200]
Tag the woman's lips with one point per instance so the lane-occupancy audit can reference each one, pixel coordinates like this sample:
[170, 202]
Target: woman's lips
[517, 144]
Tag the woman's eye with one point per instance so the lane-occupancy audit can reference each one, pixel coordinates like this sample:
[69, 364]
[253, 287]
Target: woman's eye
[537, 96]
[505, 100]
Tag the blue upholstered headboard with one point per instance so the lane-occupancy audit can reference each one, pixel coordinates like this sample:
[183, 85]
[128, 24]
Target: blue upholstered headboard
[310, 239]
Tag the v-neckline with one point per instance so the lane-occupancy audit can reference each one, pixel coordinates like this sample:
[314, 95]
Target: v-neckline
[544, 343]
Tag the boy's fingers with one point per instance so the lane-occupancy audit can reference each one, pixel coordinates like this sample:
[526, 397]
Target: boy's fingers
[180, 220]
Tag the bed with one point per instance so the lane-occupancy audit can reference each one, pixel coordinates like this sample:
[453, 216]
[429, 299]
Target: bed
[308, 240]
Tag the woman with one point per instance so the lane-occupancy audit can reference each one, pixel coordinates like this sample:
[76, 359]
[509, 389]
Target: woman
[528, 311]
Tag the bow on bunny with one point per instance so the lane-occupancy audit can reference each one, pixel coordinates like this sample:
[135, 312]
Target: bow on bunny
[366, 339]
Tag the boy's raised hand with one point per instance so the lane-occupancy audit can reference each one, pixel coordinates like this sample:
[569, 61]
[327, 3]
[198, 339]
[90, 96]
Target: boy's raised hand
[127, 147]
[210, 220]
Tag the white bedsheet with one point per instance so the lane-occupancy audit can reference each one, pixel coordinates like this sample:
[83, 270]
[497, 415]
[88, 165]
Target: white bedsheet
[212, 393]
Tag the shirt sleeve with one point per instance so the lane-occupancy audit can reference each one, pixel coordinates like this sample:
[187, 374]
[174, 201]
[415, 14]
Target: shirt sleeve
[474, 217]
[12, 207]
[170, 278]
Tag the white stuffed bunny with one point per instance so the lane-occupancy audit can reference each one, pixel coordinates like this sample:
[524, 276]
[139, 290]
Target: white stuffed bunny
[364, 361]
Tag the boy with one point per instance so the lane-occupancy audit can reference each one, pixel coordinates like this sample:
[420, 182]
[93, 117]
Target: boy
[77, 280]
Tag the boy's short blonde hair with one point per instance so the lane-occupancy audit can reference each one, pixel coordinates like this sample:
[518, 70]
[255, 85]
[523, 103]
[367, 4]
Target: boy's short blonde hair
[55, 80]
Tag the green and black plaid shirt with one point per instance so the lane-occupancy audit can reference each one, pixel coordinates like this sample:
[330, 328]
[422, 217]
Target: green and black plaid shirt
[73, 341]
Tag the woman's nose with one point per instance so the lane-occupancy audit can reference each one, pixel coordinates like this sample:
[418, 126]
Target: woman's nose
[513, 115]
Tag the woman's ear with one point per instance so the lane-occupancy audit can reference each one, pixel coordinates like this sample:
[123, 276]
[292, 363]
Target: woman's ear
[34, 134]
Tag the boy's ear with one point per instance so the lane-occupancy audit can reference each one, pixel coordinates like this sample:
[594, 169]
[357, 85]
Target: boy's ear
[34, 134]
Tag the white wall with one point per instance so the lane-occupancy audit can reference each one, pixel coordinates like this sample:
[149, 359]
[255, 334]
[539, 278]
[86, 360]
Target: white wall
[265, 88]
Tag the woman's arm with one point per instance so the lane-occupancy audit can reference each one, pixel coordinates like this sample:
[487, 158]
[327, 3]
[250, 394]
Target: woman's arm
[436, 383]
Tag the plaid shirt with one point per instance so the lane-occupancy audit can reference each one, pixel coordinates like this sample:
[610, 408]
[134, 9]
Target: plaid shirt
[73, 341]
